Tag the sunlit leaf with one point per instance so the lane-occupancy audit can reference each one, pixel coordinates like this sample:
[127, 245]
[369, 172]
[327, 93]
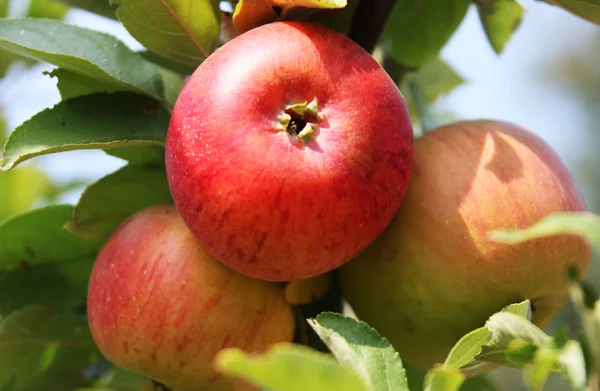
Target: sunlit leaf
[359, 346]
[559, 223]
[417, 30]
[182, 30]
[80, 50]
[287, 367]
[443, 379]
[100, 7]
[500, 19]
[88, 122]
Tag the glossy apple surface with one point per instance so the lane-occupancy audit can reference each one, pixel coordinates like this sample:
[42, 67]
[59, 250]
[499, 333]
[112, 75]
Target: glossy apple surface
[289, 151]
[434, 275]
[160, 306]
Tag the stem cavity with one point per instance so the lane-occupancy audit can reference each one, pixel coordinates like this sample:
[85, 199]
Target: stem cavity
[300, 120]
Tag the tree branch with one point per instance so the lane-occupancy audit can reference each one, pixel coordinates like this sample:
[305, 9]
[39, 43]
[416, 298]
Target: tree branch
[368, 22]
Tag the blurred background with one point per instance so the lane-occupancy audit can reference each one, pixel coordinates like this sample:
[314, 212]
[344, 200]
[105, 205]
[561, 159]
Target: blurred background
[547, 80]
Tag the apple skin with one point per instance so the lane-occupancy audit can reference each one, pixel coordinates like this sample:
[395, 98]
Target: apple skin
[261, 200]
[433, 275]
[160, 306]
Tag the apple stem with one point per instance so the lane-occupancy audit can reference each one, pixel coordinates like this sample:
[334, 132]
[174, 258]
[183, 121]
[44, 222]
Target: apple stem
[298, 119]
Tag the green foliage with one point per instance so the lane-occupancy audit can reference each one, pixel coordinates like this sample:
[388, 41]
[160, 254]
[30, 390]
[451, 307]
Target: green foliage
[421, 88]
[443, 379]
[22, 187]
[94, 54]
[565, 223]
[117, 379]
[418, 30]
[106, 203]
[72, 84]
[360, 347]
[500, 19]
[95, 121]
[40, 346]
[100, 7]
[290, 368]
[47, 9]
[184, 31]
[37, 238]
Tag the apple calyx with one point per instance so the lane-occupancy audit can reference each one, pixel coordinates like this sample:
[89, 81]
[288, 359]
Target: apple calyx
[299, 120]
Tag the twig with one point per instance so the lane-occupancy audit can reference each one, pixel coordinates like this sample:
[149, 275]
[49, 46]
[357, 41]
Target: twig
[368, 22]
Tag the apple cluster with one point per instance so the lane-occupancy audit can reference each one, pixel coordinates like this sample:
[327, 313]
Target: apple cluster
[290, 154]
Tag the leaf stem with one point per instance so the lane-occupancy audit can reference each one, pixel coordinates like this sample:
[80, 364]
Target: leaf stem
[368, 22]
[427, 121]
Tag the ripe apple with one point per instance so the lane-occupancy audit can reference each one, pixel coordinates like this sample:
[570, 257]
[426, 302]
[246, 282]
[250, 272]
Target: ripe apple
[434, 275]
[160, 306]
[289, 151]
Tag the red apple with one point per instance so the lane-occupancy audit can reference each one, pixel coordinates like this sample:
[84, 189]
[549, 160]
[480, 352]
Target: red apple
[434, 274]
[160, 306]
[289, 151]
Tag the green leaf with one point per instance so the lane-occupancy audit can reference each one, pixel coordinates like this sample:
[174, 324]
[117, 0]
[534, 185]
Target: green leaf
[100, 7]
[467, 348]
[185, 31]
[140, 154]
[37, 9]
[359, 346]
[40, 347]
[586, 9]
[47, 9]
[572, 363]
[168, 63]
[480, 383]
[20, 189]
[61, 285]
[589, 313]
[3, 8]
[559, 353]
[117, 379]
[105, 204]
[514, 340]
[37, 237]
[434, 79]
[523, 309]
[287, 367]
[418, 30]
[500, 19]
[72, 84]
[91, 53]
[88, 122]
[443, 379]
[558, 223]
[471, 344]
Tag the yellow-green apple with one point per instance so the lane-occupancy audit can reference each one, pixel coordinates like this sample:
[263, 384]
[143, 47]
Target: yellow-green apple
[161, 306]
[434, 274]
[289, 151]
